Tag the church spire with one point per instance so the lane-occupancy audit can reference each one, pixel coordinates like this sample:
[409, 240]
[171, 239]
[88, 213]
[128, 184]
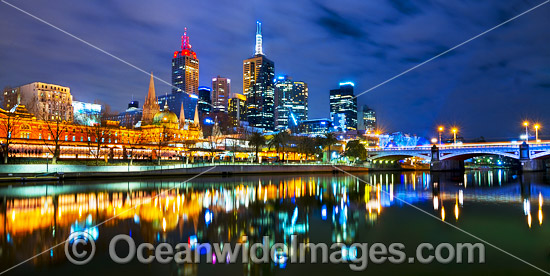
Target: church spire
[196, 119]
[182, 116]
[150, 106]
[258, 48]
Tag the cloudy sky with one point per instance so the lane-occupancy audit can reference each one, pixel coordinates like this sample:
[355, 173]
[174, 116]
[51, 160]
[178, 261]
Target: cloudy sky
[486, 87]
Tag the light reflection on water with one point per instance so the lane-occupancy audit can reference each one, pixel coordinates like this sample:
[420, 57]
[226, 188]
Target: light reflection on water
[226, 209]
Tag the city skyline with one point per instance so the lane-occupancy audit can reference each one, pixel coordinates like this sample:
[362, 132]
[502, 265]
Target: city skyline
[498, 69]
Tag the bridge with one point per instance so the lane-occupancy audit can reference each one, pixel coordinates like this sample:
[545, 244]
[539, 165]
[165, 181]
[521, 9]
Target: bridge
[451, 156]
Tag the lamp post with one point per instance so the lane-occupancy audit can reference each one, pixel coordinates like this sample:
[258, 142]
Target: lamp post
[440, 130]
[526, 124]
[454, 130]
[537, 126]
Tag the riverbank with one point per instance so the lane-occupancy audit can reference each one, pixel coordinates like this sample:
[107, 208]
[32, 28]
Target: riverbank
[32, 173]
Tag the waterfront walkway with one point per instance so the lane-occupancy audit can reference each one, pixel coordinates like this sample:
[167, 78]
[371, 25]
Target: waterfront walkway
[17, 173]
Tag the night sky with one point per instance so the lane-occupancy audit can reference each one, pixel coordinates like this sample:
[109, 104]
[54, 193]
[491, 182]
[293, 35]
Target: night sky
[486, 88]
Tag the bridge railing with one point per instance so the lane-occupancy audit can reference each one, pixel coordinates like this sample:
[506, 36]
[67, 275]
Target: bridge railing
[464, 146]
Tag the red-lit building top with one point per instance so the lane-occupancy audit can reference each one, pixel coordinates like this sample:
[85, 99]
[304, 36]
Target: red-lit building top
[185, 47]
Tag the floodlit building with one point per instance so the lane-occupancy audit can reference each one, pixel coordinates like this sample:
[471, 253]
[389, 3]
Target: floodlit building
[46, 101]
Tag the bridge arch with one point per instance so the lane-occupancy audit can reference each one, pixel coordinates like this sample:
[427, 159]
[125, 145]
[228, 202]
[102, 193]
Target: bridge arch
[463, 155]
[398, 155]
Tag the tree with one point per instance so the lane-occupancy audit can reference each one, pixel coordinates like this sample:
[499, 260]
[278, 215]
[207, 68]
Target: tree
[134, 141]
[279, 142]
[54, 132]
[162, 139]
[307, 146]
[96, 139]
[355, 150]
[9, 128]
[328, 141]
[257, 140]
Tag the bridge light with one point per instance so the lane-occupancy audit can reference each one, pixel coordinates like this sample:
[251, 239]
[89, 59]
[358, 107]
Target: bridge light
[434, 140]
[525, 124]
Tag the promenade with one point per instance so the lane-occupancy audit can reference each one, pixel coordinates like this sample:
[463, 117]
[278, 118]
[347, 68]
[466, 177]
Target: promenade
[42, 172]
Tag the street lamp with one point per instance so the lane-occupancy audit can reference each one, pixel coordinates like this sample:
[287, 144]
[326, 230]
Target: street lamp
[440, 129]
[526, 124]
[537, 126]
[454, 130]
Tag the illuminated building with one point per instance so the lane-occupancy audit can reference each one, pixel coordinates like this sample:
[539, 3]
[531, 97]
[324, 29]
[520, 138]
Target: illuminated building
[34, 138]
[237, 109]
[185, 69]
[221, 89]
[367, 119]
[205, 102]
[258, 74]
[316, 126]
[46, 101]
[151, 106]
[343, 107]
[290, 102]
[86, 113]
[163, 137]
[130, 117]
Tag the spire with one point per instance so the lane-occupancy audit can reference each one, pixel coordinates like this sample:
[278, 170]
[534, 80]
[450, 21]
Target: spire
[166, 108]
[259, 38]
[185, 41]
[151, 92]
[150, 106]
[182, 116]
[196, 119]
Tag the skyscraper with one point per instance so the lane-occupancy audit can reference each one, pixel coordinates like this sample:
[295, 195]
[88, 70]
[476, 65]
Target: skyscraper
[185, 68]
[343, 107]
[221, 91]
[290, 102]
[205, 102]
[258, 75]
[369, 118]
[237, 109]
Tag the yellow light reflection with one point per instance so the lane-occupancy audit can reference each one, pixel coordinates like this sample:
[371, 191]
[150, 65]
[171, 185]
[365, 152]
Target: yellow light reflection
[442, 213]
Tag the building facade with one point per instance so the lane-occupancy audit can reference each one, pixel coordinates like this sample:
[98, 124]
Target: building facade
[343, 107]
[185, 68]
[316, 126]
[237, 109]
[258, 88]
[46, 101]
[290, 102]
[221, 91]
